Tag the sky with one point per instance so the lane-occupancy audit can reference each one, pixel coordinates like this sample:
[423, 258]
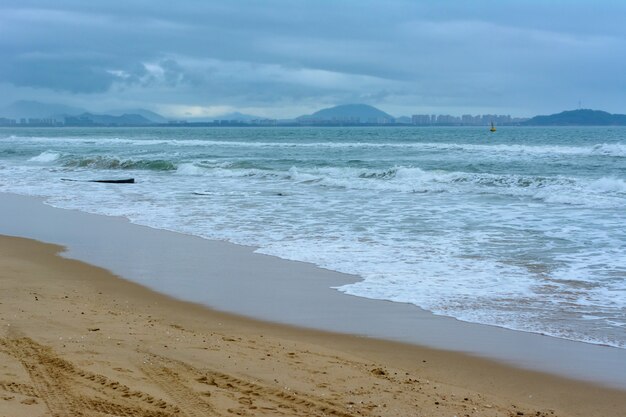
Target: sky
[285, 58]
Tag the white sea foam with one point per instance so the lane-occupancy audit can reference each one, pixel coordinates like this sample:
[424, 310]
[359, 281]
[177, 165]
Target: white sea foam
[603, 191]
[613, 149]
[604, 149]
[44, 157]
[608, 185]
[503, 234]
[190, 169]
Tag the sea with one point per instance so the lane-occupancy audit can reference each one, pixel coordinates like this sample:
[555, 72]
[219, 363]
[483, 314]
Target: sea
[524, 228]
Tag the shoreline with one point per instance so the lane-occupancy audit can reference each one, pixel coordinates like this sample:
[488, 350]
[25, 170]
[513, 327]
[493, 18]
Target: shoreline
[98, 334]
[245, 283]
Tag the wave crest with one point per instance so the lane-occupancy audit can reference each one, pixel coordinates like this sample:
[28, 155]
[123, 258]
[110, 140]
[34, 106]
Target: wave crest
[47, 156]
[100, 162]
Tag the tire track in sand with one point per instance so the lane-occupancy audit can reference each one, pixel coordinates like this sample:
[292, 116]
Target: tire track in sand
[69, 391]
[47, 378]
[188, 400]
[17, 388]
[248, 391]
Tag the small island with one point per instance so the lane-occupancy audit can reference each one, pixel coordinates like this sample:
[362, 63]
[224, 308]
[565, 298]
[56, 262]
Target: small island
[581, 117]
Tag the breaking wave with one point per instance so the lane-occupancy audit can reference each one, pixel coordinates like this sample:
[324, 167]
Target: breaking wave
[47, 156]
[101, 162]
[604, 149]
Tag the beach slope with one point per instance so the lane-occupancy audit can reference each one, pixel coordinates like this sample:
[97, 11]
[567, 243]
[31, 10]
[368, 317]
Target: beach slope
[77, 340]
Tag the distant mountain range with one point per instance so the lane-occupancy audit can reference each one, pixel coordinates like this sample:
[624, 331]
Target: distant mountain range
[29, 109]
[233, 116]
[358, 113]
[346, 114]
[583, 117]
[35, 109]
[26, 109]
[147, 114]
[88, 119]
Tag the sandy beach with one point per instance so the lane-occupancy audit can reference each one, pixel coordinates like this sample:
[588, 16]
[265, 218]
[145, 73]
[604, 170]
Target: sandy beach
[77, 340]
[312, 209]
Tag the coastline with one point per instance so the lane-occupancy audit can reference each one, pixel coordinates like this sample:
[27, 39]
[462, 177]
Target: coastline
[437, 257]
[245, 283]
[114, 346]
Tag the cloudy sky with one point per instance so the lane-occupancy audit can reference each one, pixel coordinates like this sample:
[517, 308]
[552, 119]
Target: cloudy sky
[283, 58]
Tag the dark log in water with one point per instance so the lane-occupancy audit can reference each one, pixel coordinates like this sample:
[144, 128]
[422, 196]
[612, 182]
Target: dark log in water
[122, 181]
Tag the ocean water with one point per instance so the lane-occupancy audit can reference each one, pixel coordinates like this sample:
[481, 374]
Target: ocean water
[524, 228]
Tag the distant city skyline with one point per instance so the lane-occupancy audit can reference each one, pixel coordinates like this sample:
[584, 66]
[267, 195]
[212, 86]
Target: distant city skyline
[343, 115]
[34, 113]
[281, 58]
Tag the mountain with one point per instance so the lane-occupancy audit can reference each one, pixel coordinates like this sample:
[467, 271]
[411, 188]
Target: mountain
[148, 114]
[240, 117]
[36, 109]
[88, 119]
[583, 117]
[236, 116]
[349, 113]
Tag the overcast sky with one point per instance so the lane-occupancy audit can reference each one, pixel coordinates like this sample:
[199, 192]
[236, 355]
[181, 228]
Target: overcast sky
[284, 58]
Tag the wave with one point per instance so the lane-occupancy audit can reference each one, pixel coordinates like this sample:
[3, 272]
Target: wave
[603, 149]
[410, 179]
[613, 149]
[229, 169]
[601, 192]
[617, 150]
[47, 156]
[608, 185]
[190, 169]
[101, 162]
[465, 269]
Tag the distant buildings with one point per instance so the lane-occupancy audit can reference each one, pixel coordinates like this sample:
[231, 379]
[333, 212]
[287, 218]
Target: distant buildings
[465, 120]
[89, 120]
[31, 122]
[421, 119]
[7, 122]
[264, 122]
[345, 121]
[79, 121]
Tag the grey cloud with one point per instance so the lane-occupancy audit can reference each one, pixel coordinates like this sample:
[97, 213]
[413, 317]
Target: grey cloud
[57, 74]
[459, 54]
[173, 73]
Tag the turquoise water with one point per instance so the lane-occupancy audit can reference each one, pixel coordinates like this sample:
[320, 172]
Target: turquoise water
[523, 228]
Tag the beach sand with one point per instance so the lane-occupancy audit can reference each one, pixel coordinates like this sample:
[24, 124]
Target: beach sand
[76, 340]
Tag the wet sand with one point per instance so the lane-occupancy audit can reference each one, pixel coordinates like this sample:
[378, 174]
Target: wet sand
[77, 340]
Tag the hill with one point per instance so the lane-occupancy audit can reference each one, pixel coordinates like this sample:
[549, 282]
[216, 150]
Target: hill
[240, 117]
[234, 116]
[35, 109]
[349, 113]
[148, 114]
[583, 117]
[88, 119]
